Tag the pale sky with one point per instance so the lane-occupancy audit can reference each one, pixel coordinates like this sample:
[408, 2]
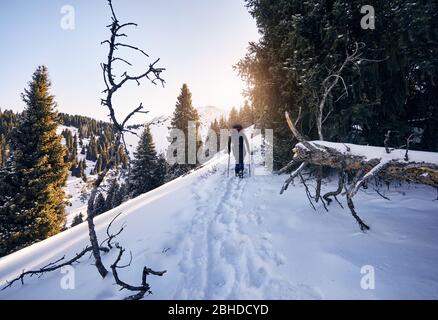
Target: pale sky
[198, 42]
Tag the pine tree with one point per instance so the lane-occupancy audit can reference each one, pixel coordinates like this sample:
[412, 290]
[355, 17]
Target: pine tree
[214, 126]
[77, 220]
[185, 112]
[3, 145]
[92, 150]
[246, 115]
[112, 199]
[33, 206]
[99, 204]
[74, 150]
[233, 117]
[79, 170]
[99, 165]
[146, 171]
[83, 166]
[223, 123]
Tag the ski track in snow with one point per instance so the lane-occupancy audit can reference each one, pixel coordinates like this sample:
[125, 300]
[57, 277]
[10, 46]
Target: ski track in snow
[227, 254]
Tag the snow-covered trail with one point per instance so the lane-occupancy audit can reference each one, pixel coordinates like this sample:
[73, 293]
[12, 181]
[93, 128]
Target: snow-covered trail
[228, 254]
[226, 238]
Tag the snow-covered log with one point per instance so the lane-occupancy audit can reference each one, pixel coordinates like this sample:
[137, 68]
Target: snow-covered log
[366, 161]
[421, 167]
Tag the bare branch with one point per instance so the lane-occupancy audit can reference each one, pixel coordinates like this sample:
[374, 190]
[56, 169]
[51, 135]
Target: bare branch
[292, 177]
[309, 196]
[136, 110]
[143, 288]
[286, 167]
[112, 236]
[52, 266]
[131, 47]
[337, 192]
[123, 60]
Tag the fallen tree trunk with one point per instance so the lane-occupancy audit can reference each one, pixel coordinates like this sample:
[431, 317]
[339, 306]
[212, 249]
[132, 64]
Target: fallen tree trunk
[365, 161]
[420, 168]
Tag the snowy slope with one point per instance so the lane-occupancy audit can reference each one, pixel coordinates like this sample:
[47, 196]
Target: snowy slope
[78, 191]
[224, 238]
[207, 115]
[160, 130]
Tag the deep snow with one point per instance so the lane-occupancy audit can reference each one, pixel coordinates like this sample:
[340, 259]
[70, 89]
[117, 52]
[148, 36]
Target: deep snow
[225, 238]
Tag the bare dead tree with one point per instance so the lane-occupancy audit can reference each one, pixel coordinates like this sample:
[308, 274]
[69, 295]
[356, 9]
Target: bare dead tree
[328, 85]
[332, 80]
[112, 84]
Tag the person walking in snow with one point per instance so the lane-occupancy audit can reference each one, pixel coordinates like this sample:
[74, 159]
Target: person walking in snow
[238, 142]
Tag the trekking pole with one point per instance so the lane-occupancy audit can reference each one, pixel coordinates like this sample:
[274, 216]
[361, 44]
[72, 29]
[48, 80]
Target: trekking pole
[249, 166]
[250, 155]
[228, 171]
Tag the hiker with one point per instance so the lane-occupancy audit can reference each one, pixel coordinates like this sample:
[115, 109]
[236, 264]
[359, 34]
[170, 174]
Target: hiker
[240, 147]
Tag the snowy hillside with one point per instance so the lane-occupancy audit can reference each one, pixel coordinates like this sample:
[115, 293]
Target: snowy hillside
[78, 191]
[225, 238]
[160, 130]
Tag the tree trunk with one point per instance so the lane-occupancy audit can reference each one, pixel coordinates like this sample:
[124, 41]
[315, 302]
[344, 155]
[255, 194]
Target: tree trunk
[395, 169]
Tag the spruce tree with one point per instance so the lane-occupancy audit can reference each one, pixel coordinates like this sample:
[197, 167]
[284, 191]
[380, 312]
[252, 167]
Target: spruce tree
[3, 144]
[77, 220]
[79, 170]
[146, 173]
[223, 123]
[185, 112]
[214, 126]
[246, 115]
[112, 200]
[99, 166]
[92, 150]
[99, 204]
[233, 117]
[83, 166]
[32, 208]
